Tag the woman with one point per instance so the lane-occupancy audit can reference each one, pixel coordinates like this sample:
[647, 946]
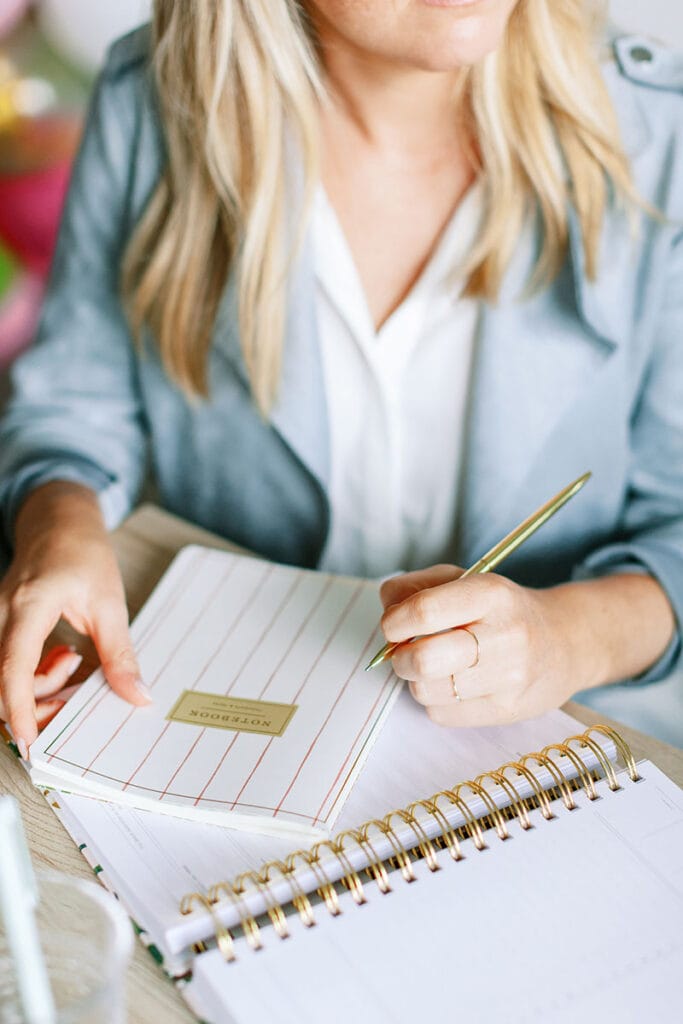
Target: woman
[396, 278]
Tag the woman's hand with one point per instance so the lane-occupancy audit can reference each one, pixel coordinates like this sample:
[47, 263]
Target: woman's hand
[64, 567]
[512, 652]
[50, 683]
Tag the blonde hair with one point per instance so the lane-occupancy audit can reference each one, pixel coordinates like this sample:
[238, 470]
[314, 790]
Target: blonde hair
[239, 81]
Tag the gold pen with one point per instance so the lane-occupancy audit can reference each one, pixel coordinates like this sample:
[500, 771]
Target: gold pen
[503, 548]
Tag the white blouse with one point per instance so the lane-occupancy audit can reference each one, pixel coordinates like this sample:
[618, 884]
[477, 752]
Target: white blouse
[396, 400]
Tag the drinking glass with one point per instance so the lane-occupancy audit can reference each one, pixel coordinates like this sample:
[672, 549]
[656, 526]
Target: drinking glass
[87, 941]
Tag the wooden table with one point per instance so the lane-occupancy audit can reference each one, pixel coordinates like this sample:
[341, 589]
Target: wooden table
[145, 545]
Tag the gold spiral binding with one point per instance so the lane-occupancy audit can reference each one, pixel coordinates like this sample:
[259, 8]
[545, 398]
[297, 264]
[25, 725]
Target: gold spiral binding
[561, 785]
[621, 746]
[542, 798]
[273, 908]
[375, 866]
[424, 843]
[400, 855]
[226, 946]
[350, 879]
[516, 801]
[604, 761]
[447, 833]
[473, 826]
[300, 900]
[326, 889]
[584, 775]
[251, 930]
[493, 811]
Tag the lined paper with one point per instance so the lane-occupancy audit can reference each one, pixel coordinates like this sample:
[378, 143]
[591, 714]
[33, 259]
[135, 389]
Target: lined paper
[232, 625]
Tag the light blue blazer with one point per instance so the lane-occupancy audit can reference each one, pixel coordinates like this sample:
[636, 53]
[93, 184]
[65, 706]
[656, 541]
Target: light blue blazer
[581, 376]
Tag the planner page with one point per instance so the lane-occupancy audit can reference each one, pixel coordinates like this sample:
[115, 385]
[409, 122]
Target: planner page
[151, 861]
[577, 919]
[263, 715]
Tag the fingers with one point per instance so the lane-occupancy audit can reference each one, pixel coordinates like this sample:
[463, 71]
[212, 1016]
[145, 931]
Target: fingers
[474, 714]
[55, 671]
[436, 693]
[441, 707]
[436, 657]
[469, 686]
[29, 623]
[445, 606]
[115, 649]
[46, 711]
[52, 657]
[398, 588]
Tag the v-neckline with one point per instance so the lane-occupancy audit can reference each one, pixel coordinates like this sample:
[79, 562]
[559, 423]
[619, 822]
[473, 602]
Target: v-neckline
[342, 281]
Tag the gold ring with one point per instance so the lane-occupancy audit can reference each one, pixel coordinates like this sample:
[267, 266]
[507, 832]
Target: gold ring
[466, 629]
[457, 696]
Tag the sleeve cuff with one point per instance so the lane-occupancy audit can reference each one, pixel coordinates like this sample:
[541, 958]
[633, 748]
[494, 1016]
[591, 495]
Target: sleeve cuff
[624, 558]
[113, 500]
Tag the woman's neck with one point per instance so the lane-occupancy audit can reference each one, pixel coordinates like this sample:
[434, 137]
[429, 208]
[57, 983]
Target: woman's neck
[394, 164]
[394, 108]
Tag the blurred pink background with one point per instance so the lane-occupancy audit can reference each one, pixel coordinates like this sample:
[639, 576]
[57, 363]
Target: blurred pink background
[49, 52]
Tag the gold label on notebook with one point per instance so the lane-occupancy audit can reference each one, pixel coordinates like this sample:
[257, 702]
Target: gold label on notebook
[216, 711]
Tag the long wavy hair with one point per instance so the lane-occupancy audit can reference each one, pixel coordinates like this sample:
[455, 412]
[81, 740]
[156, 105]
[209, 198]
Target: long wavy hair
[239, 82]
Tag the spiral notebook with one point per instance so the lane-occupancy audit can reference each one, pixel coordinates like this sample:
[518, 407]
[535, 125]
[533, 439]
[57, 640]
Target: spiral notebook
[547, 889]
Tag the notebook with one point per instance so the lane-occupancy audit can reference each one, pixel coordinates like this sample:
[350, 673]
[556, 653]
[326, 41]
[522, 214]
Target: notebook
[263, 715]
[547, 887]
[550, 888]
[573, 918]
[154, 861]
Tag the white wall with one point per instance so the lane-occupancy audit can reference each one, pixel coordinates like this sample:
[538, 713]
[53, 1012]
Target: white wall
[662, 19]
[82, 30]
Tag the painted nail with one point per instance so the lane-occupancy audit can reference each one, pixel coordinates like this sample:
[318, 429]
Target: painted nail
[74, 664]
[23, 749]
[144, 690]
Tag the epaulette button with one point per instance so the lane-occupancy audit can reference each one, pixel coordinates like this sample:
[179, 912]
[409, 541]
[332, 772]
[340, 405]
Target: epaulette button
[642, 55]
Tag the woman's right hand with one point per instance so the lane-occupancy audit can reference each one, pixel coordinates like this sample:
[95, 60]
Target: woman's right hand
[64, 567]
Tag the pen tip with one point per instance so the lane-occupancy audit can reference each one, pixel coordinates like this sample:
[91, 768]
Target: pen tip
[375, 661]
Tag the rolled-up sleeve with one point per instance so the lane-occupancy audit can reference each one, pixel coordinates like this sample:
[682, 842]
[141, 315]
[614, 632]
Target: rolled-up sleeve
[652, 535]
[75, 412]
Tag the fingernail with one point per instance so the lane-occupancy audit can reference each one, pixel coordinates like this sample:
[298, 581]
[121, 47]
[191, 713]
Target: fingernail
[74, 664]
[144, 690]
[23, 749]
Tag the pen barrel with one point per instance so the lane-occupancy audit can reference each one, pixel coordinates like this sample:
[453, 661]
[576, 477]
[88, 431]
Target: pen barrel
[521, 533]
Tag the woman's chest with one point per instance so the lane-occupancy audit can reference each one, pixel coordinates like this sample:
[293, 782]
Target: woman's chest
[392, 216]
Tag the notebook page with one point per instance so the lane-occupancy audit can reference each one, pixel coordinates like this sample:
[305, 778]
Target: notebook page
[152, 862]
[578, 919]
[230, 625]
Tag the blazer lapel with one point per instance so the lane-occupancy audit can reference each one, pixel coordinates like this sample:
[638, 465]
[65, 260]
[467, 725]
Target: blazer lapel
[299, 414]
[534, 357]
[300, 411]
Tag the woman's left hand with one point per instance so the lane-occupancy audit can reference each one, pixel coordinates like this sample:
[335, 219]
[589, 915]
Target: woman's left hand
[507, 654]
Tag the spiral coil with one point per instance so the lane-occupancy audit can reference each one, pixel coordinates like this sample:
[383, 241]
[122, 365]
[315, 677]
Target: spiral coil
[488, 815]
